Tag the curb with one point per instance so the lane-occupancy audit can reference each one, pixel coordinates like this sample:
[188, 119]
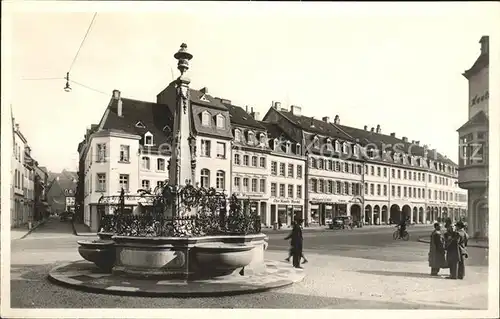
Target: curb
[427, 241]
[181, 289]
[33, 228]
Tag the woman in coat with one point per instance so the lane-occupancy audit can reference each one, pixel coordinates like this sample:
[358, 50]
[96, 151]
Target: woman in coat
[437, 258]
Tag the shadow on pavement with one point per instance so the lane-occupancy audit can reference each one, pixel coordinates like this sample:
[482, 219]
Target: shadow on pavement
[54, 226]
[397, 274]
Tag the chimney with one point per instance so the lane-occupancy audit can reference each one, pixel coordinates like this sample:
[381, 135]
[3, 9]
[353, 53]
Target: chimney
[326, 119]
[366, 127]
[256, 116]
[393, 134]
[372, 129]
[296, 110]
[246, 108]
[485, 45]
[336, 120]
[204, 90]
[413, 141]
[417, 143]
[117, 96]
[378, 129]
[277, 105]
[405, 139]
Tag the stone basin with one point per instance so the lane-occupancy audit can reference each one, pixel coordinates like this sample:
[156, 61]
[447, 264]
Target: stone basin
[222, 258]
[100, 252]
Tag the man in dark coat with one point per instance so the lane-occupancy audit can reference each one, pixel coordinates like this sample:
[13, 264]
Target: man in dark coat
[296, 242]
[457, 252]
[437, 259]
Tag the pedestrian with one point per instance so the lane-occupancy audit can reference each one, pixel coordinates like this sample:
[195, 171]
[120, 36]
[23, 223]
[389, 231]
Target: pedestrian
[457, 251]
[296, 243]
[291, 250]
[437, 258]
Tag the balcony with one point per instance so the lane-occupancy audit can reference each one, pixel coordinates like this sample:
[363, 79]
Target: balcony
[473, 176]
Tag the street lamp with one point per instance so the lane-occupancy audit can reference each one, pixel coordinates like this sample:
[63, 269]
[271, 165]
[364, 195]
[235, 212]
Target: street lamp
[67, 88]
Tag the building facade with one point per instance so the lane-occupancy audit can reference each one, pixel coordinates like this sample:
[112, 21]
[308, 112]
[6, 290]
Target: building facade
[473, 141]
[287, 165]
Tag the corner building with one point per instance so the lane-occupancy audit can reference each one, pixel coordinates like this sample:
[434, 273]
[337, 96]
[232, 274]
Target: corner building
[473, 141]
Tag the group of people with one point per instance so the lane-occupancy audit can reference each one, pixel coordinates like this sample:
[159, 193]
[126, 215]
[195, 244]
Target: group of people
[296, 240]
[448, 249]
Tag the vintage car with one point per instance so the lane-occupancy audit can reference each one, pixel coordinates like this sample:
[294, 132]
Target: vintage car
[341, 222]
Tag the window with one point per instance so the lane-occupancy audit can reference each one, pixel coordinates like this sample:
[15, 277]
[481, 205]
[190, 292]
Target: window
[393, 173]
[321, 186]
[159, 184]
[399, 191]
[378, 171]
[430, 194]
[221, 150]
[254, 161]
[237, 160]
[262, 138]
[245, 185]
[404, 192]
[282, 190]
[366, 188]
[372, 170]
[205, 118]
[101, 182]
[221, 121]
[330, 187]
[385, 190]
[312, 162]
[393, 191]
[414, 192]
[290, 191]
[314, 185]
[299, 171]
[337, 166]
[101, 152]
[237, 135]
[290, 170]
[254, 185]
[298, 149]
[359, 169]
[273, 189]
[346, 167]
[299, 191]
[262, 186]
[274, 168]
[399, 174]
[124, 182]
[423, 193]
[205, 148]
[220, 181]
[205, 178]
[237, 181]
[419, 178]
[414, 175]
[288, 147]
[330, 165]
[146, 163]
[282, 169]
[418, 193]
[372, 189]
[145, 184]
[262, 162]
[124, 153]
[160, 164]
[378, 190]
[385, 172]
[148, 139]
[404, 175]
[321, 164]
[251, 138]
[246, 160]
[347, 188]
[339, 187]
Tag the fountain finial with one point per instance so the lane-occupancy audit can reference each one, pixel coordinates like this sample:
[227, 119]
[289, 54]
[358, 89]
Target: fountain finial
[183, 56]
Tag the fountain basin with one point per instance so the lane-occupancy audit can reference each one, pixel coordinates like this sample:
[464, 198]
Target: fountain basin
[100, 252]
[221, 257]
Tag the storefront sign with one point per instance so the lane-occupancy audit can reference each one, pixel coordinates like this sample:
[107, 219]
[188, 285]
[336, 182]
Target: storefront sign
[285, 201]
[322, 200]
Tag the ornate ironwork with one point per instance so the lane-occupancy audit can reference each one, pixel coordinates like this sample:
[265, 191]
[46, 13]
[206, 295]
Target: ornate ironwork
[200, 212]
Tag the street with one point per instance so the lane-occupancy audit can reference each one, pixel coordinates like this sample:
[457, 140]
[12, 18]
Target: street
[360, 268]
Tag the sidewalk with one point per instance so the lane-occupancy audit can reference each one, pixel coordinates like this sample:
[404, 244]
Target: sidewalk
[326, 228]
[472, 242]
[22, 232]
[384, 281]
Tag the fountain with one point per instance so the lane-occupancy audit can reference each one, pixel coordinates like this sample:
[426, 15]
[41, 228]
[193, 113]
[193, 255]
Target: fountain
[190, 237]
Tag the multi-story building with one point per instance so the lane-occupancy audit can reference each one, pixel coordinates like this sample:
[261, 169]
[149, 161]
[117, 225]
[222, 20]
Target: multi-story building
[287, 164]
[20, 207]
[473, 152]
[40, 186]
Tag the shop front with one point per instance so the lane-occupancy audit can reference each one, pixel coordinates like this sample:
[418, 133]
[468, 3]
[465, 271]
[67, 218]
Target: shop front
[324, 209]
[257, 203]
[284, 211]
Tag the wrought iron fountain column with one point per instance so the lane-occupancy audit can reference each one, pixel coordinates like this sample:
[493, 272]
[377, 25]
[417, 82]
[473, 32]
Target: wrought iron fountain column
[180, 171]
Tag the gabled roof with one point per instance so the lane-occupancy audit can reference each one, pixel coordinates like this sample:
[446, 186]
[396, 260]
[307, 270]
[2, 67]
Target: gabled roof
[195, 97]
[480, 118]
[274, 131]
[482, 61]
[312, 125]
[239, 116]
[154, 117]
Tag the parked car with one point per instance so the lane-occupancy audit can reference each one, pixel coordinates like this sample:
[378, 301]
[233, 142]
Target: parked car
[65, 216]
[341, 222]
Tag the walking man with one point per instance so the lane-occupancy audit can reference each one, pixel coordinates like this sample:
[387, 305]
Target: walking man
[457, 251]
[296, 243]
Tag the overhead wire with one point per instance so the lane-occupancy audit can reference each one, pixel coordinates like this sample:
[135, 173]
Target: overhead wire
[83, 41]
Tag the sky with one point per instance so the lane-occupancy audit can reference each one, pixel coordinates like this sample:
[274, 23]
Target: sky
[397, 65]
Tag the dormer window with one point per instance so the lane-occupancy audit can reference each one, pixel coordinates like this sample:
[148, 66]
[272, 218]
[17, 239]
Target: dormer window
[288, 147]
[356, 150]
[140, 125]
[251, 138]
[337, 146]
[344, 148]
[316, 142]
[275, 144]
[262, 138]
[204, 98]
[205, 118]
[329, 143]
[298, 149]
[237, 135]
[221, 121]
[148, 139]
[396, 157]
